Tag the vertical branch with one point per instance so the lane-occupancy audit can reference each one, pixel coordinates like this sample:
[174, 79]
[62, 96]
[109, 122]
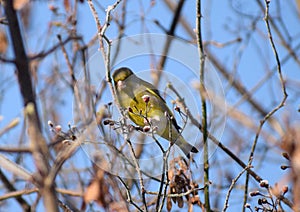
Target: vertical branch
[280, 105]
[106, 56]
[96, 17]
[203, 103]
[37, 142]
[165, 176]
[101, 36]
[137, 167]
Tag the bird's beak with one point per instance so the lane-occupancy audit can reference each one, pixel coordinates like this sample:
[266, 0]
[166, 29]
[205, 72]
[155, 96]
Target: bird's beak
[120, 85]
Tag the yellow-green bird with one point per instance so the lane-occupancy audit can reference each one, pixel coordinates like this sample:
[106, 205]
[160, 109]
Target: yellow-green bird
[146, 107]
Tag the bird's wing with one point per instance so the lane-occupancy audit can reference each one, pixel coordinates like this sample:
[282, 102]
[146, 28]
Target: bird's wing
[155, 92]
[152, 90]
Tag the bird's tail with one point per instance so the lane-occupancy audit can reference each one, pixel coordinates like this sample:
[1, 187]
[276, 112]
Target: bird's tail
[185, 146]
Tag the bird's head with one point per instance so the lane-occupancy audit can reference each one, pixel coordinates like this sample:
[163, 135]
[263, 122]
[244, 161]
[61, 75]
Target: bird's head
[120, 75]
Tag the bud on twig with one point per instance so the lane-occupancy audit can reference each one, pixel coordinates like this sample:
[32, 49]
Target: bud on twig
[286, 155]
[130, 110]
[284, 167]
[254, 193]
[50, 124]
[285, 189]
[247, 205]
[146, 128]
[146, 98]
[264, 183]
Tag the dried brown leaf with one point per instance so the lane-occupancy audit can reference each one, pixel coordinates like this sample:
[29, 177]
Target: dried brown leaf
[92, 192]
[98, 191]
[298, 6]
[170, 174]
[180, 202]
[118, 207]
[169, 204]
[67, 5]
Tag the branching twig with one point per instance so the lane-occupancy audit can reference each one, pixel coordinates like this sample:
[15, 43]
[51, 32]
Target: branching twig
[10, 187]
[129, 197]
[280, 105]
[276, 29]
[234, 181]
[165, 176]
[43, 54]
[214, 139]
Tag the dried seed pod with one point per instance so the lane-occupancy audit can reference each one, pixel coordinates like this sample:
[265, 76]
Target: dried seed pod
[146, 129]
[177, 109]
[50, 124]
[286, 155]
[138, 128]
[169, 204]
[285, 189]
[106, 122]
[254, 193]
[264, 183]
[180, 202]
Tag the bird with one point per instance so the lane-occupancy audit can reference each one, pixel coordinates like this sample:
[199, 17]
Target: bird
[147, 109]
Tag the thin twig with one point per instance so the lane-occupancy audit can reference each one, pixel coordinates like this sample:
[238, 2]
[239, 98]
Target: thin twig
[5, 181]
[70, 67]
[98, 23]
[62, 157]
[280, 105]
[214, 139]
[234, 181]
[178, 194]
[43, 54]
[138, 169]
[9, 126]
[129, 198]
[165, 170]
[15, 194]
[280, 35]
[18, 193]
